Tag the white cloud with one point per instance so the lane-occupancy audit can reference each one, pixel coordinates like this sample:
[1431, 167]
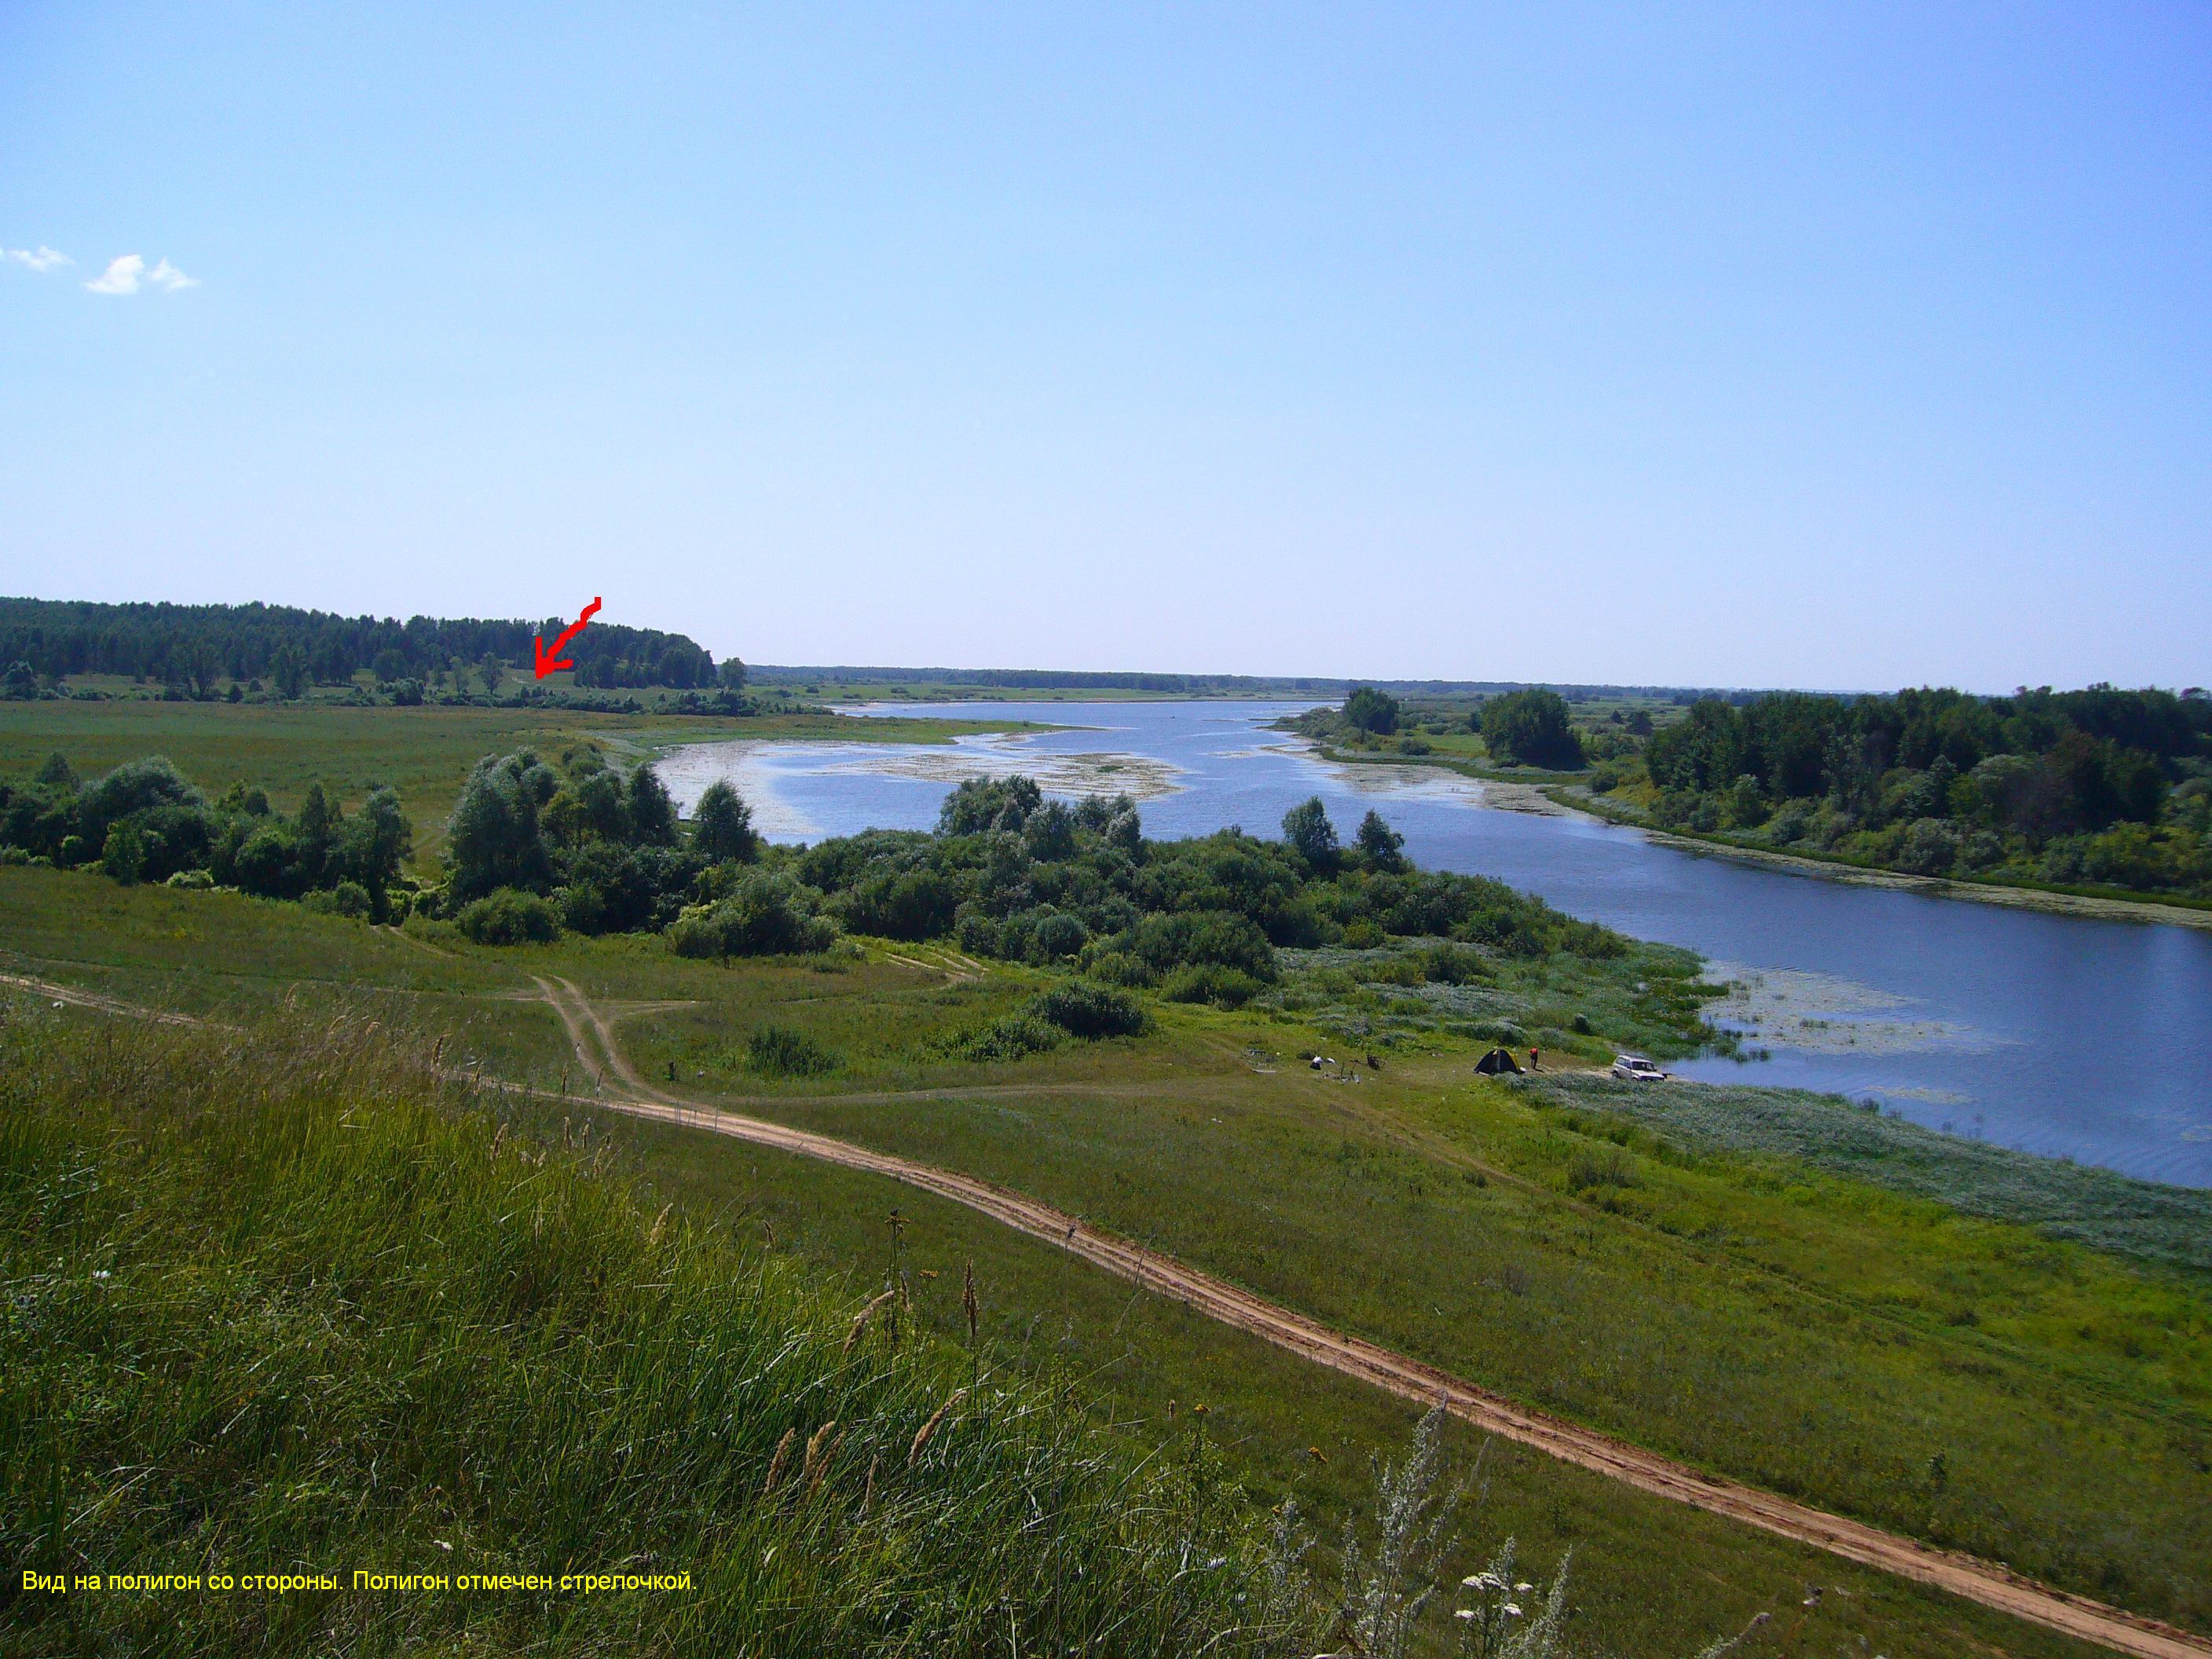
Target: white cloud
[126, 274]
[40, 258]
[121, 276]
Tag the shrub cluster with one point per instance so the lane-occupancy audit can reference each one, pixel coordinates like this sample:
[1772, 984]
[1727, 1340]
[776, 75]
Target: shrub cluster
[1012, 875]
[144, 821]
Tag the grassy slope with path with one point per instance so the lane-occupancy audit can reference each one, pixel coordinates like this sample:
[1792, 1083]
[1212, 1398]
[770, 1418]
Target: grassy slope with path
[285, 1300]
[590, 1032]
[1799, 1330]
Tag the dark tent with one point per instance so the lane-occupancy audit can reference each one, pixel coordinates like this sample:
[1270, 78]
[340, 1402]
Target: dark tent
[1496, 1061]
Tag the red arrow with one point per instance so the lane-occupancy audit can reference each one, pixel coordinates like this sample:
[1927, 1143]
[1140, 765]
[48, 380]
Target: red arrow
[549, 661]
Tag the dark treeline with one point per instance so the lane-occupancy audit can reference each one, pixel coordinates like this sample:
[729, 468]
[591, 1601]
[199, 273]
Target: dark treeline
[197, 647]
[2101, 785]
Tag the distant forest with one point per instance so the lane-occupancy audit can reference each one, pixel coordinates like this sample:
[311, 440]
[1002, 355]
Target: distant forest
[2101, 786]
[196, 645]
[1195, 685]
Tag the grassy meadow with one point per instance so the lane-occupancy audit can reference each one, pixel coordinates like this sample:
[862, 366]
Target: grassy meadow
[423, 752]
[1932, 1353]
[293, 1304]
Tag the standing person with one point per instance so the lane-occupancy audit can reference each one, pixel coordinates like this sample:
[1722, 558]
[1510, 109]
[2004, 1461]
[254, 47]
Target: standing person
[1535, 1054]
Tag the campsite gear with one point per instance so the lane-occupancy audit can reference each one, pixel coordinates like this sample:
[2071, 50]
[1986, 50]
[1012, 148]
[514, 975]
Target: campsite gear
[1497, 1061]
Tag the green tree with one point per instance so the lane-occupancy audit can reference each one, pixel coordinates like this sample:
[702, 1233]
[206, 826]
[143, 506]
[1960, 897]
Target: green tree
[1382, 846]
[122, 856]
[494, 839]
[203, 668]
[494, 672]
[722, 828]
[288, 669]
[651, 813]
[731, 674]
[374, 844]
[590, 807]
[1369, 710]
[1532, 727]
[318, 822]
[1307, 828]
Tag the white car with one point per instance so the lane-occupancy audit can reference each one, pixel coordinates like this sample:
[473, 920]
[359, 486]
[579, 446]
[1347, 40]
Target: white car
[1634, 1068]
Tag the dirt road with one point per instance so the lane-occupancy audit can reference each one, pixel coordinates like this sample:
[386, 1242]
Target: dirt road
[1987, 1583]
[1966, 1576]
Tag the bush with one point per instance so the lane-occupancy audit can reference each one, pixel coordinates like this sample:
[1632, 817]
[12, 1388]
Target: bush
[1610, 1168]
[1056, 937]
[1453, 964]
[1092, 1011]
[191, 881]
[1166, 940]
[509, 916]
[1010, 1038]
[779, 1051]
[1225, 988]
[764, 916]
[124, 855]
[1929, 848]
[1118, 968]
[347, 898]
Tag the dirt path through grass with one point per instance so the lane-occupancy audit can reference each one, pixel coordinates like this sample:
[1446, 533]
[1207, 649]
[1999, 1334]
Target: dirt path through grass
[1987, 1583]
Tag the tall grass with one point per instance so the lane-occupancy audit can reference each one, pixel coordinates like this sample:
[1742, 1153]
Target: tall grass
[2097, 1206]
[281, 1303]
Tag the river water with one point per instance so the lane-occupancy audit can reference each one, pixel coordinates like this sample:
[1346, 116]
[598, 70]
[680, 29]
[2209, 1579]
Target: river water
[2063, 1036]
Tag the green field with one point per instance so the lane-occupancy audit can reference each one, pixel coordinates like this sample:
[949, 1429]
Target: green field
[424, 753]
[1954, 1370]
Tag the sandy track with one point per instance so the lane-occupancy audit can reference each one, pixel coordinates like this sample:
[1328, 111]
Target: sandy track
[1961, 1575]
[76, 998]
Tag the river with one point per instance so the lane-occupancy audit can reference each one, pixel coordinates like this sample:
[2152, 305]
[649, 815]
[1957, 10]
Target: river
[2065, 1036]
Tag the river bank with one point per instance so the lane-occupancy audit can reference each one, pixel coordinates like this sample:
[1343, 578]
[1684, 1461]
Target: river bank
[2057, 902]
[1551, 794]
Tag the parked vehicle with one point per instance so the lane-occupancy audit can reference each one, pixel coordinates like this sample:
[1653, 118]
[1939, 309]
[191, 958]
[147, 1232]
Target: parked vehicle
[1634, 1068]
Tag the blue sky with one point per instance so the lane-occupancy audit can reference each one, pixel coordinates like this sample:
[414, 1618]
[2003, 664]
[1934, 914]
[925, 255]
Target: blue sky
[1832, 346]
